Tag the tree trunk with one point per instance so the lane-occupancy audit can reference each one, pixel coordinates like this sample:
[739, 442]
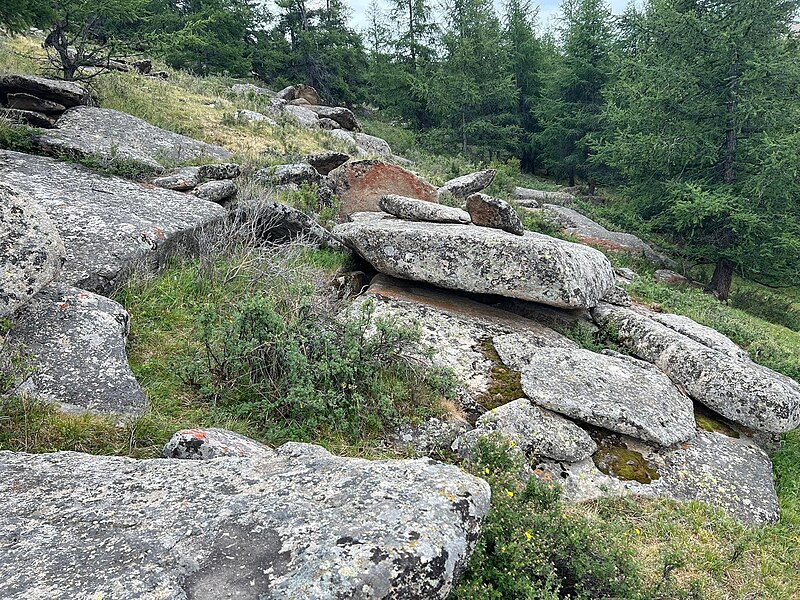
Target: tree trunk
[463, 132]
[720, 284]
[572, 177]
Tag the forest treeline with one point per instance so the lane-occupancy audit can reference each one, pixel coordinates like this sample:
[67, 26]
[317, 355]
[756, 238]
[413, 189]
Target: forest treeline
[689, 107]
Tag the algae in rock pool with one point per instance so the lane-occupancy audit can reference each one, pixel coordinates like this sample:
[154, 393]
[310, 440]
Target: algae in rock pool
[625, 464]
[506, 384]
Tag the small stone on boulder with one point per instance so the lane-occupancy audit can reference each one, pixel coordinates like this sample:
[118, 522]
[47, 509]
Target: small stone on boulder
[486, 211]
[215, 191]
[466, 185]
[411, 209]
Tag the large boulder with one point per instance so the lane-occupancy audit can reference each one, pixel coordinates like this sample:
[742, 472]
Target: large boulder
[303, 524]
[725, 472]
[343, 116]
[31, 251]
[114, 135]
[304, 116]
[466, 185]
[361, 183]
[66, 93]
[76, 341]
[266, 220]
[370, 144]
[531, 429]
[594, 234]
[109, 226]
[733, 386]
[477, 259]
[216, 191]
[300, 92]
[325, 162]
[412, 209]
[461, 335]
[296, 173]
[486, 211]
[624, 395]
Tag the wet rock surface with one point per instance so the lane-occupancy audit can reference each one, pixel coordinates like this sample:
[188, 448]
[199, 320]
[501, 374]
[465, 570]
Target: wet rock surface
[76, 341]
[80, 526]
[109, 226]
[31, 250]
[735, 387]
[478, 259]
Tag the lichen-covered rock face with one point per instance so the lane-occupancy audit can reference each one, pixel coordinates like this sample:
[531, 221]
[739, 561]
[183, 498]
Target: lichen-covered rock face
[76, 341]
[411, 209]
[205, 444]
[478, 259]
[67, 93]
[325, 162]
[432, 436]
[89, 131]
[533, 198]
[305, 116]
[297, 173]
[735, 387]
[109, 226]
[31, 251]
[370, 144]
[730, 473]
[700, 333]
[486, 211]
[463, 186]
[459, 333]
[251, 116]
[303, 524]
[219, 171]
[343, 116]
[361, 183]
[181, 181]
[627, 396]
[535, 431]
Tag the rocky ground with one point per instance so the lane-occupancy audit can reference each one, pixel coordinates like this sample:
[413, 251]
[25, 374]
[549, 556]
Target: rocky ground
[491, 300]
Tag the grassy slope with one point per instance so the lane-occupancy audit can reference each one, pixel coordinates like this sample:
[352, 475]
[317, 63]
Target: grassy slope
[698, 548]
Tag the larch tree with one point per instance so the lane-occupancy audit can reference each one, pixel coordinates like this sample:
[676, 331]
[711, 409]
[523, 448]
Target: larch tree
[704, 124]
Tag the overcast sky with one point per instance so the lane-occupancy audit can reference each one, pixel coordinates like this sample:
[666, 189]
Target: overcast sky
[547, 10]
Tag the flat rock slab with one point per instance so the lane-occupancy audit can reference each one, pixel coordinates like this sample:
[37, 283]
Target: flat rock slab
[457, 331]
[627, 396]
[304, 524]
[733, 474]
[411, 209]
[534, 430]
[110, 226]
[595, 234]
[360, 185]
[463, 186]
[67, 93]
[76, 341]
[737, 388]
[478, 259]
[31, 251]
[533, 198]
[110, 134]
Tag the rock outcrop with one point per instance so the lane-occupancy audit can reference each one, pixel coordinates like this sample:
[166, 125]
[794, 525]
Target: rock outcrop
[343, 116]
[735, 387]
[76, 341]
[619, 394]
[360, 185]
[325, 162]
[411, 209]
[31, 250]
[66, 93]
[534, 198]
[116, 136]
[466, 185]
[304, 524]
[477, 259]
[109, 226]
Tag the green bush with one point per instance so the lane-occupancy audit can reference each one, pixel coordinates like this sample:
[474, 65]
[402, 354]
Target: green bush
[16, 137]
[768, 306]
[305, 369]
[532, 548]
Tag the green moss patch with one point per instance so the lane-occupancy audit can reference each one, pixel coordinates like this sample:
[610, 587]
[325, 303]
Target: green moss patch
[625, 464]
[506, 384]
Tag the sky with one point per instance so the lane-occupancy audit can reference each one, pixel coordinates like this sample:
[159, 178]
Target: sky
[548, 9]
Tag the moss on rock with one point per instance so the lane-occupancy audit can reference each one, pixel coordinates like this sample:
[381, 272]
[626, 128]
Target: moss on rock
[625, 464]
